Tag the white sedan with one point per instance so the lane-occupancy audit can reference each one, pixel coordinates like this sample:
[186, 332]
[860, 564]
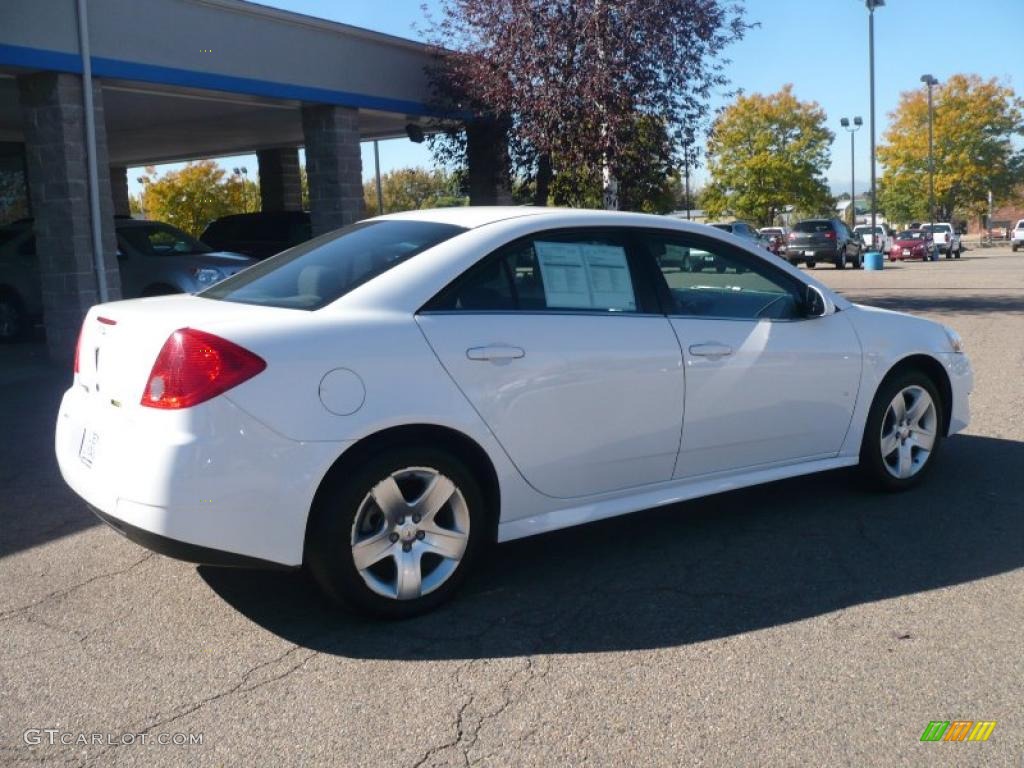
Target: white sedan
[382, 402]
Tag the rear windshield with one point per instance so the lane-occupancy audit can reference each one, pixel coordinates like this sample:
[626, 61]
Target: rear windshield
[312, 275]
[723, 227]
[813, 226]
[912, 234]
[867, 230]
[937, 228]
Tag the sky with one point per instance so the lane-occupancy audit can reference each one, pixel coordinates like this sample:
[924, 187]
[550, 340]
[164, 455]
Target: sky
[820, 46]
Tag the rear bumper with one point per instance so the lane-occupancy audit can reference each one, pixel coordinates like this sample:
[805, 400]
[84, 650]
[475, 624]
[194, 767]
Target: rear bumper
[816, 254]
[181, 550]
[207, 484]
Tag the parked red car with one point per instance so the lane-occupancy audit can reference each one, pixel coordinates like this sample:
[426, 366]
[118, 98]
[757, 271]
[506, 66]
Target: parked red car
[912, 244]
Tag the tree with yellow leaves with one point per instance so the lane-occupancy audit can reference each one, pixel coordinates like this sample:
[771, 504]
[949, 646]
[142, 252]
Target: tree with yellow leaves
[192, 197]
[766, 152]
[975, 121]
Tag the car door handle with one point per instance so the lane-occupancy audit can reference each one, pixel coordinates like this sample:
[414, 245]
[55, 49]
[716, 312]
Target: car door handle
[495, 352]
[712, 349]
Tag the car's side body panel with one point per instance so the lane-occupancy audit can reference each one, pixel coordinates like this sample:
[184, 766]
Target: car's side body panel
[593, 404]
[785, 392]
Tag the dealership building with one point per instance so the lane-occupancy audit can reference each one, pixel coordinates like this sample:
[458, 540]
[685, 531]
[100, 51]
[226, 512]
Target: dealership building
[175, 80]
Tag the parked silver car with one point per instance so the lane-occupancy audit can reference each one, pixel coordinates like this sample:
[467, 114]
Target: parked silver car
[154, 259]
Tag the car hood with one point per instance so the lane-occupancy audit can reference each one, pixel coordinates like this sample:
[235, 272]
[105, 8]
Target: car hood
[222, 259]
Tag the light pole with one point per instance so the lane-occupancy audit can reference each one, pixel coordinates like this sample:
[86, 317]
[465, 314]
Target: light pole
[857, 123]
[872, 4]
[930, 82]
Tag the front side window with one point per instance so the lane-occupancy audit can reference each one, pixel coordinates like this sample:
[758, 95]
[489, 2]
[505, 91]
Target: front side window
[589, 272]
[156, 239]
[319, 271]
[705, 278]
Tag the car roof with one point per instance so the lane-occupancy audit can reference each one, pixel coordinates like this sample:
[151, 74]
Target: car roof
[475, 216]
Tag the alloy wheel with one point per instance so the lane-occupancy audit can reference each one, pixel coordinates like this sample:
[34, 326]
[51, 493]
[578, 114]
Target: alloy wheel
[410, 533]
[908, 433]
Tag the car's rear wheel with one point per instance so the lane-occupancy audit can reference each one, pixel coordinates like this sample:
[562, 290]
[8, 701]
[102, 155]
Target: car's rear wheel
[811, 264]
[841, 262]
[903, 432]
[395, 537]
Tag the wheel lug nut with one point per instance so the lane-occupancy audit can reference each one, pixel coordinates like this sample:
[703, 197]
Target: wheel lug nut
[401, 520]
[420, 535]
[415, 518]
[406, 547]
[393, 537]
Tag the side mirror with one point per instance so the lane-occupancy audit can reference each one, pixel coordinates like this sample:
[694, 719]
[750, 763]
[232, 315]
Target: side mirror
[815, 304]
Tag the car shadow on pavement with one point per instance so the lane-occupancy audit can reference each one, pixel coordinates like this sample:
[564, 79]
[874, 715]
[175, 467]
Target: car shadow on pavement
[715, 567]
[946, 303]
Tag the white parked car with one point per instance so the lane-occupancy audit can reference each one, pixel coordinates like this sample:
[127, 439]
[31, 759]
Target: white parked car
[868, 237]
[380, 403]
[947, 239]
[1018, 236]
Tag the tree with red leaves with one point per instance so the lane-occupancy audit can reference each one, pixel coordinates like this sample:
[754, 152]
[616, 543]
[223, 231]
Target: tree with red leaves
[581, 83]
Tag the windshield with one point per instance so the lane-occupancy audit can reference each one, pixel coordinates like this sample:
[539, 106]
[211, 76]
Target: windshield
[158, 239]
[862, 230]
[723, 227]
[936, 228]
[317, 272]
[911, 234]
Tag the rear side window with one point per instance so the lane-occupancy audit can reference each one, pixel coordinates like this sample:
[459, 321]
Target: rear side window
[317, 272]
[588, 272]
[813, 226]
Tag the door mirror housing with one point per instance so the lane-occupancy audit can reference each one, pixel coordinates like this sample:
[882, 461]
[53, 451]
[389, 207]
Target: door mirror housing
[815, 303]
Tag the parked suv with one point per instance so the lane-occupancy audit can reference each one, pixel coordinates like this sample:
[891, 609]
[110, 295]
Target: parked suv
[946, 238]
[1018, 236]
[258, 234]
[814, 240]
[153, 258]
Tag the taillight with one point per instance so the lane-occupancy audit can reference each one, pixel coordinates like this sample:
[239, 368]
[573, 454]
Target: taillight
[194, 366]
[830, 235]
[792, 235]
[78, 346]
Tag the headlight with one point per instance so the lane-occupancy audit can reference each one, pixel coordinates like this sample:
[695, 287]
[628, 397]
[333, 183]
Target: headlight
[207, 276]
[954, 340]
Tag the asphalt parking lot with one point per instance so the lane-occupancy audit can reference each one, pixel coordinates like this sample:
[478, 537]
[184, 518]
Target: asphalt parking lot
[804, 623]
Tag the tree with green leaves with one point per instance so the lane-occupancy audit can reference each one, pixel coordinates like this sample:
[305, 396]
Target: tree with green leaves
[974, 124]
[765, 152]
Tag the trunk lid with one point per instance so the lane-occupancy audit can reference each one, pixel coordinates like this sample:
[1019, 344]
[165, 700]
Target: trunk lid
[121, 340]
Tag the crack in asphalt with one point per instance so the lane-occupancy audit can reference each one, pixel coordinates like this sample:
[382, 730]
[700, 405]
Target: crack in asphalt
[165, 718]
[58, 593]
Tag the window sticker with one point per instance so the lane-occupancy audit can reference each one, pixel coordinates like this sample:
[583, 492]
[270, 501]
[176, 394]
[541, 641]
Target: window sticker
[586, 276]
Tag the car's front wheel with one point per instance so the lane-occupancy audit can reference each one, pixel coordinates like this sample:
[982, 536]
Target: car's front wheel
[903, 432]
[395, 536]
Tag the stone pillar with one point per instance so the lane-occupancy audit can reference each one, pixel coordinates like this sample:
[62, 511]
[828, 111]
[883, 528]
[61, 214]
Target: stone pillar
[119, 190]
[487, 158]
[334, 166]
[53, 123]
[280, 184]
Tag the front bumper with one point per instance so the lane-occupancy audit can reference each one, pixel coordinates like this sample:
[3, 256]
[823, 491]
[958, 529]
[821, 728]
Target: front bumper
[208, 484]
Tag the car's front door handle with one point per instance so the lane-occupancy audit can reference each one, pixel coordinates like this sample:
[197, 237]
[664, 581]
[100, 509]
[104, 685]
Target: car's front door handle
[495, 352]
[712, 349]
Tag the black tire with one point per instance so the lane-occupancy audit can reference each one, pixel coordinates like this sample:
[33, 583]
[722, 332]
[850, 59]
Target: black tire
[13, 320]
[958, 252]
[811, 264]
[872, 466]
[796, 262]
[329, 556]
[841, 262]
